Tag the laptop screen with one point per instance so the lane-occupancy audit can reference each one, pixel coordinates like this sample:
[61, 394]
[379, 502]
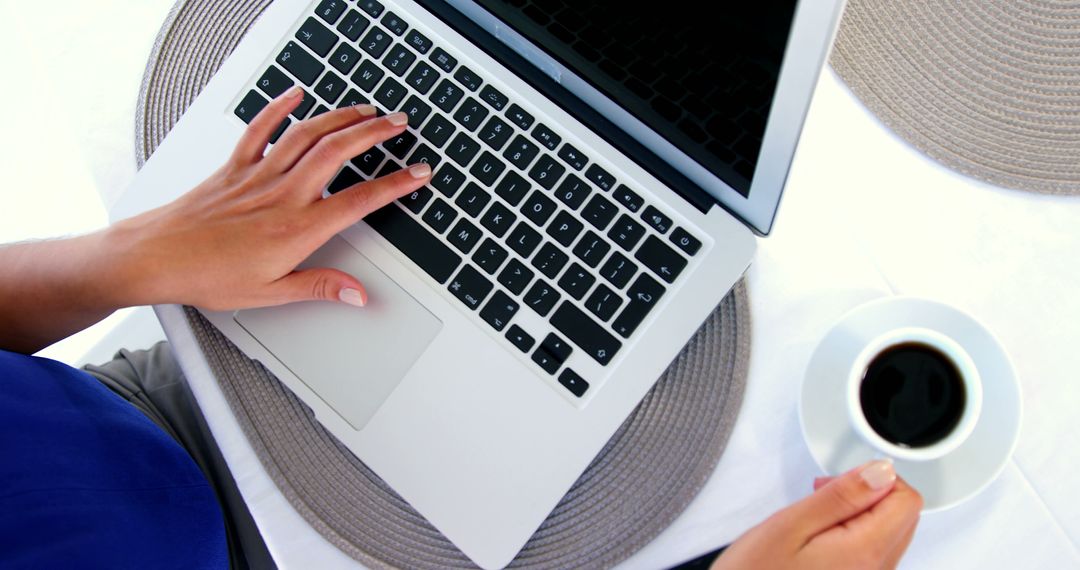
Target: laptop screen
[703, 82]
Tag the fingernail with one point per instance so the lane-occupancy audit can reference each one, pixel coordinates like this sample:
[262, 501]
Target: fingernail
[365, 110]
[294, 92]
[397, 119]
[878, 474]
[420, 170]
[352, 297]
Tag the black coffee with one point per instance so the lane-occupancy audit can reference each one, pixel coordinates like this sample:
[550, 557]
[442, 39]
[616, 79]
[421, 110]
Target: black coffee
[912, 395]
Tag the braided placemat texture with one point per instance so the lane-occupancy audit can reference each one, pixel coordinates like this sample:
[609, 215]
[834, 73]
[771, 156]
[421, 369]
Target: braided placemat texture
[990, 88]
[646, 475]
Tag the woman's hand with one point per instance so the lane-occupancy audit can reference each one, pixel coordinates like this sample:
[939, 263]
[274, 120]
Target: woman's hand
[862, 519]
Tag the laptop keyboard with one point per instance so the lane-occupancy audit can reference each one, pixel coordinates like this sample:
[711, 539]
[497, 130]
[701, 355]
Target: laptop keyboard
[515, 219]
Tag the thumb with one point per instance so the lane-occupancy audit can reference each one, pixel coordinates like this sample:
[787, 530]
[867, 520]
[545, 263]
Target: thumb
[842, 498]
[321, 284]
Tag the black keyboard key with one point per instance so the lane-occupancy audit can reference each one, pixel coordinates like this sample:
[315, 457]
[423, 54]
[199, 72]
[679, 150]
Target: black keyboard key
[538, 208]
[550, 260]
[319, 111]
[661, 259]
[400, 145]
[573, 191]
[438, 130]
[372, 7]
[600, 177]
[416, 200]
[280, 130]
[498, 219]
[330, 87]
[425, 154]
[628, 198]
[603, 302]
[470, 286]
[591, 249]
[565, 228]
[418, 42]
[684, 241]
[388, 168]
[467, 78]
[644, 294]
[300, 63]
[398, 60]
[490, 256]
[516, 276]
[494, 97]
[523, 240]
[250, 106]
[547, 172]
[463, 149]
[656, 219]
[370, 160]
[519, 117]
[473, 199]
[390, 93]
[512, 188]
[417, 110]
[487, 168]
[375, 42]
[352, 97]
[346, 178]
[557, 347]
[618, 270]
[495, 133]
[305, 105]
[353, 25]
[583, 331]
[330, 10]
[448, 180]
[573, 382]
[599, 212]
[626, 233]
[394, 23]
[546, 360]
[541, 298]
[576, 281]
[443, 60]
[274, 82]
[471, 114]
[499, 310]
[521, 152]
[416, 242]
[465, 236]
[573, 157]
[440, 215]
[317, 36]
[422, 77]
[546, 136]
[446, 95]
[367, 76]
[519, 338]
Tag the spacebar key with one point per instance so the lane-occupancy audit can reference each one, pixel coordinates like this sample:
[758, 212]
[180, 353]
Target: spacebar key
[584, 332]
[418, 244]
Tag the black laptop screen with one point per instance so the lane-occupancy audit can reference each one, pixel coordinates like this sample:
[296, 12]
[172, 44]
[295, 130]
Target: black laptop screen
[703, 82]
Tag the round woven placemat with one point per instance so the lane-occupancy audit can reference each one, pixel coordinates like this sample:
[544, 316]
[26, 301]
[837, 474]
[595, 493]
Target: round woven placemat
[643, 478]
[990, 88]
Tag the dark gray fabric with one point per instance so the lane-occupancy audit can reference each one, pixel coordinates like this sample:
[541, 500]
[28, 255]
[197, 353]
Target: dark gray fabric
[153, 382]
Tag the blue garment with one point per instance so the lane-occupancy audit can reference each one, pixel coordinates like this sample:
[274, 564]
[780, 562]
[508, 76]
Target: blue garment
[88, 481]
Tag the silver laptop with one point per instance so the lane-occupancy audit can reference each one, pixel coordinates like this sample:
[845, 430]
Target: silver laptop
[600, 170]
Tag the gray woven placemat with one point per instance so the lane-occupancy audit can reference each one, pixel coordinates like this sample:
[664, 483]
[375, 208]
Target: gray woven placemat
[990, 88]
[645, 476]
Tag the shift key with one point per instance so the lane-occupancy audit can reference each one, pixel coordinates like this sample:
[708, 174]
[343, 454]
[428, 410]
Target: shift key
[593, 339]
[415, 241]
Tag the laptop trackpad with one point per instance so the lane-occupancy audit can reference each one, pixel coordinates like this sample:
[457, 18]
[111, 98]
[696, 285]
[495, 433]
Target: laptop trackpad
[353, 358]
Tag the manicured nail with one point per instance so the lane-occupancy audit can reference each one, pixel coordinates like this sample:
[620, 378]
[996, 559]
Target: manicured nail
[352, 297]
[397, 119]
[295, 92]
[420, 170]
[365, 110]
[878, 474]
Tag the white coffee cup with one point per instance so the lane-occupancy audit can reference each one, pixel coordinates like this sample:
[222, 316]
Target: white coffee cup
[969, 377]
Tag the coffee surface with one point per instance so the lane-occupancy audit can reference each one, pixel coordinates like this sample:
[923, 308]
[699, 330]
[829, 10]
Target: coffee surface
[912, 395]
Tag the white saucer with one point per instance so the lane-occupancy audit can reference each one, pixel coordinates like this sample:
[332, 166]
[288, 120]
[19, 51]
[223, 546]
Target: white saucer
[943, 482]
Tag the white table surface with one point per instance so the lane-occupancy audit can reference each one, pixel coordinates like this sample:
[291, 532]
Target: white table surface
[864, 216]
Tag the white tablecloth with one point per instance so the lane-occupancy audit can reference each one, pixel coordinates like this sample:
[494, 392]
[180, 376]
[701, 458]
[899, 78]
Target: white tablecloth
[863, 216]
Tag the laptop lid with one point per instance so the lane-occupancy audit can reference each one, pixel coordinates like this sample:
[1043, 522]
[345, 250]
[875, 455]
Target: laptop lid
[717, 94]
